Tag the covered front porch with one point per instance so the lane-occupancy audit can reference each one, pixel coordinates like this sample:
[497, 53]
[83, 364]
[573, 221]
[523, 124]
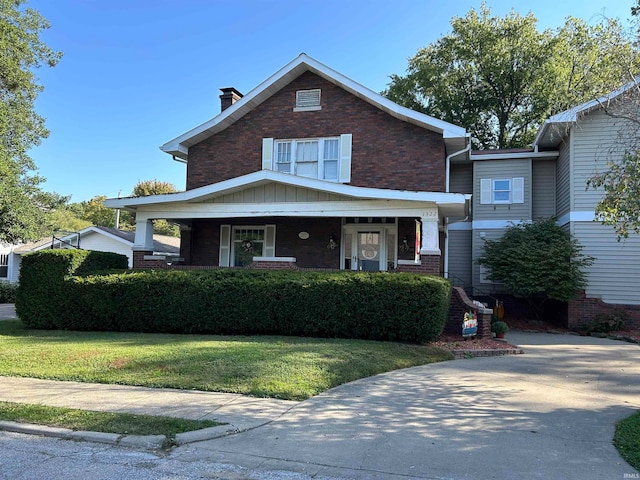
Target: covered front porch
[274, 220]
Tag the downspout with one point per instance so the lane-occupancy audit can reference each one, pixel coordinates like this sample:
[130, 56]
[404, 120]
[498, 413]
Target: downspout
[467, 148]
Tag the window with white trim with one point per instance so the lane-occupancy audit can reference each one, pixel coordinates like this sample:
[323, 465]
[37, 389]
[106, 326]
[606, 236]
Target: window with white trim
[313, 158]
[4, 265]
[501, 190]
[248, 242]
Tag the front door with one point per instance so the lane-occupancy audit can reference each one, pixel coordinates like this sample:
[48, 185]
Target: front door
[369, 249]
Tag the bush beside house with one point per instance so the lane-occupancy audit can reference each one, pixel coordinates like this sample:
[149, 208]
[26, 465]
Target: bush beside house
[396, 307]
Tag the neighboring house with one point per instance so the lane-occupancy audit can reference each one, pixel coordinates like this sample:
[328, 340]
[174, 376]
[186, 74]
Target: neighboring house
[311, 170]
[102, 239]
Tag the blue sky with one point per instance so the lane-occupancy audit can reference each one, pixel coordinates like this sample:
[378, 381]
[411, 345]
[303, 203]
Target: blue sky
[137, 73]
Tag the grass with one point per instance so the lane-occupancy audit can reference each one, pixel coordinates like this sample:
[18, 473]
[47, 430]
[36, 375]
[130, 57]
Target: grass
[627, 439]
[280, 367]
[119, 423]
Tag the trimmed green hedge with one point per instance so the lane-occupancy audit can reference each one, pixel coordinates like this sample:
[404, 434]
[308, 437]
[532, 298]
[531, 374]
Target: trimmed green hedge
[43, 297]
[378, 306]
[8, 292]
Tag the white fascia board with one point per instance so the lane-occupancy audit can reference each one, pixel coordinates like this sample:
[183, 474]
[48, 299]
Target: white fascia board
[516, 156]
[362, 208]
[265, 176]
[179, 146]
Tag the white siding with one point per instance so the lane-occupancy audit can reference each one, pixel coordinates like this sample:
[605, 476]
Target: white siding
[615, 274]
[461, 178]
[502, 169]
[563, 182]
[460, 257]
[592, 140]
[543, 193]
[102, 243]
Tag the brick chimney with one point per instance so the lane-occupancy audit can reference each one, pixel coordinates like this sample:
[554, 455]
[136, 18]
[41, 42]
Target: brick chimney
[229, 96]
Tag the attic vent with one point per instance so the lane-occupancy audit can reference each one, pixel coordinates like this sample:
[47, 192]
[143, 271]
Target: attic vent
[307, 100]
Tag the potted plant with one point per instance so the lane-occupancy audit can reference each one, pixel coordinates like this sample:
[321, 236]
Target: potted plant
[499, 328]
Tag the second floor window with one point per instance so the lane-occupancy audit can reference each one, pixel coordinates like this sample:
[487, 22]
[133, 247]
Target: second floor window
[317, 158]
[4, 265]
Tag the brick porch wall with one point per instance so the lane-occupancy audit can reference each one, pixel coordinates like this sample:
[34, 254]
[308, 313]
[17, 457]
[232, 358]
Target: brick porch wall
[429, 265]
[585, 310]
[460, 304]
[140, 262]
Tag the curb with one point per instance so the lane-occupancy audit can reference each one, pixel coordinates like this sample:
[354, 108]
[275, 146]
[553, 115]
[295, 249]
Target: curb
[465, 354]
[144, 442]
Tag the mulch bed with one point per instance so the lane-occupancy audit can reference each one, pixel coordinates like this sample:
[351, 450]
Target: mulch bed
[484, 347]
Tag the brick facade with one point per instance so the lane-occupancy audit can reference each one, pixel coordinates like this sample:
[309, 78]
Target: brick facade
[429, 265]
[586, 310]
[140, 262]
[386, 152]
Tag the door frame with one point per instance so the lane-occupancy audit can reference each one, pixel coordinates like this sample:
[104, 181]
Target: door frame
[384, 229]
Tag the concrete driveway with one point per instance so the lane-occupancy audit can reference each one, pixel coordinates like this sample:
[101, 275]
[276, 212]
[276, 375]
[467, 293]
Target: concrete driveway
[548, 414]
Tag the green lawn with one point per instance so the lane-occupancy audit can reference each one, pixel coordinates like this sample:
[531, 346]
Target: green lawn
[281, 367]
[627, 439]
[120, 423]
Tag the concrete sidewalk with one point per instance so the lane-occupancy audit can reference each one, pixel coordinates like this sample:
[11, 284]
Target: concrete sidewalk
[7, 311]
[239, 412]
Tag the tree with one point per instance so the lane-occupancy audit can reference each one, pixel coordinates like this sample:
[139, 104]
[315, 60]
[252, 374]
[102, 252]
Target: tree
[23, 205]
[157, 187]
[501, 77]
[620, 181]
[537, 261]
[152, 187]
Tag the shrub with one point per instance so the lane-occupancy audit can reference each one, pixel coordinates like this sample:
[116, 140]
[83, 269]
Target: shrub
[538, 261]
[8, 292]
[42, 296]
[499, 327]
[605, 323]
[398, 307]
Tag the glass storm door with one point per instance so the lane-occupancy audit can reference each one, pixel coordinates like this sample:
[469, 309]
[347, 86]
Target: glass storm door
[367, 254]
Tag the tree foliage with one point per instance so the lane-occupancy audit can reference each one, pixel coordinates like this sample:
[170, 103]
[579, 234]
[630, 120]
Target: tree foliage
[537, 261]
[152, 187]
[500, 77]
[23, 206]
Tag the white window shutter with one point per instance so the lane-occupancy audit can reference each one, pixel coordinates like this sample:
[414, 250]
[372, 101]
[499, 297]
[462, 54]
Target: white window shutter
[345, 157]
[485, 191]
[518, 190]
[225, 246]
[267, 153]
[270, 241]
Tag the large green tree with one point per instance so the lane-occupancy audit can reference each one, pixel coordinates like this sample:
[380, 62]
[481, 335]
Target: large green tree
[500, 77]
[23, 205]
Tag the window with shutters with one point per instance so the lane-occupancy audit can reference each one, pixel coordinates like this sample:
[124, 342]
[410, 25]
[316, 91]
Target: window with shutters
[4, 265]
[317, 158]
[501, 190]
[307, 100]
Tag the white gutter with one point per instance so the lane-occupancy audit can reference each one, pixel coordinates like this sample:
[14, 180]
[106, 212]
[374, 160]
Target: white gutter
[447, 164]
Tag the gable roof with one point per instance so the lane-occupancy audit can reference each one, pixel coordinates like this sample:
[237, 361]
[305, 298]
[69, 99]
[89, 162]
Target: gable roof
[556, 127]
[453, 135]
[161, 243]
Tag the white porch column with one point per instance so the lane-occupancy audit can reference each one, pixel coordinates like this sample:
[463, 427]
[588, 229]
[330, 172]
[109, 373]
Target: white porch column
[144, 236]
[430, 244]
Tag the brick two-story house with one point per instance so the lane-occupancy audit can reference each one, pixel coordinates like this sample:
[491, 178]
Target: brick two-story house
[310, 170]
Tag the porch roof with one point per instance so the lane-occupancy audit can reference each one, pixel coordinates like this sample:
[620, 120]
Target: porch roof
[449, 204]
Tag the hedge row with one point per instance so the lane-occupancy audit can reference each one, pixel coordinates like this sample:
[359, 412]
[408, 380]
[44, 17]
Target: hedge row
[41, 299]
[397, 307]
[7, 292]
